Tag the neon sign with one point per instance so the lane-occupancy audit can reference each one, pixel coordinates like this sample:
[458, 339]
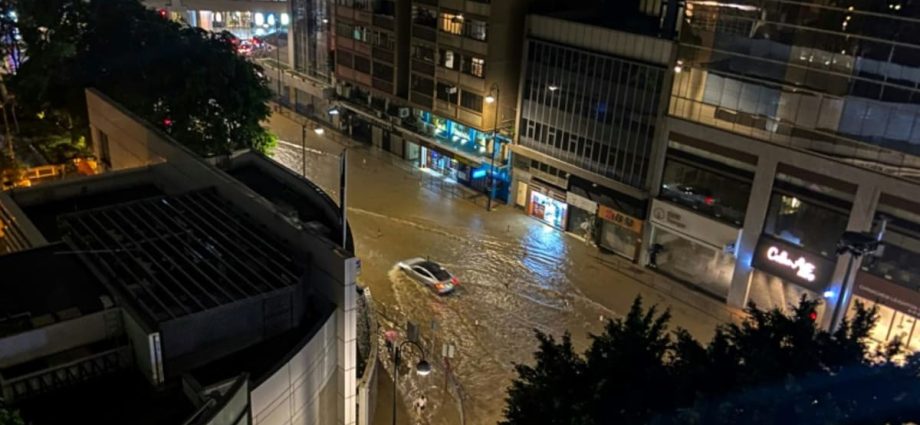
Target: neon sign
[801, 266]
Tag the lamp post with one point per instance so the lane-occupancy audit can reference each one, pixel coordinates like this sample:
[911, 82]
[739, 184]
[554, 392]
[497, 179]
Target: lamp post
[857, 244]
[422, 368]
[494, 97]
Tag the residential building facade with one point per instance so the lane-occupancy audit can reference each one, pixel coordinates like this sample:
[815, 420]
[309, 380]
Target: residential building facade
[433, 81]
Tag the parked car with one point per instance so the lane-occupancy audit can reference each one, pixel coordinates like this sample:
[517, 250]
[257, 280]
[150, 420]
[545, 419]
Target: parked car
[430, 274]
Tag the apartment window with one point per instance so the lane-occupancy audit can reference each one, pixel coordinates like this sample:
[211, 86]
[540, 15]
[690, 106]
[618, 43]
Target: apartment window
[422, 85]
[471, 100]
[383, 72]
[344, 29]
[384, 39]
[424, 16]
[448, 93]
[475, 29]
[360, 33]
[473, 66]
[344, 58]
[423, 53]
[448, 59]
[362, 64]
[452, 23]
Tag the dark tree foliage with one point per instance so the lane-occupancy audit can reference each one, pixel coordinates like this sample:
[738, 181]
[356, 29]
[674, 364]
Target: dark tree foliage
[774, 367]
[186, 81]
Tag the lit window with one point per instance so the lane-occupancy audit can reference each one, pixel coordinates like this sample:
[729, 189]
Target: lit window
[452, 23]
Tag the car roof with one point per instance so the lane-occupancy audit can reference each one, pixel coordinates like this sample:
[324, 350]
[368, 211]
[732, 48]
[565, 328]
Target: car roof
[430, 266]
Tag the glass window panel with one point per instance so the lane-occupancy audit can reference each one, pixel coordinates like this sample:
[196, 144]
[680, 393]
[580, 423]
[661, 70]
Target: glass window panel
[713, 194]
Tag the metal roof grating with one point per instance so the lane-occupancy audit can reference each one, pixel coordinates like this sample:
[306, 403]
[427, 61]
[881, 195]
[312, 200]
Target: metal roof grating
[178, 255]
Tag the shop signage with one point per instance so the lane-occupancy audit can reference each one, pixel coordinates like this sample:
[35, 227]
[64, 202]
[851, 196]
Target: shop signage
[620, 219]
[579, 201]
[793, 264]
[887, 293]
[691, 224]
[803, 268]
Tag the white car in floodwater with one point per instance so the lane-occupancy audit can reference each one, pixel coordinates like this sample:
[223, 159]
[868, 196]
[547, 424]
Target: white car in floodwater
[430, 274]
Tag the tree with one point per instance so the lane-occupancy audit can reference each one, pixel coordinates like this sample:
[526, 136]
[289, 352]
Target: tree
[774, 367]
[10, 417]
[188, 82]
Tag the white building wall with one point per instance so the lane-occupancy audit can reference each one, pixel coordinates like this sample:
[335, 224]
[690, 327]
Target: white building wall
[303, 390]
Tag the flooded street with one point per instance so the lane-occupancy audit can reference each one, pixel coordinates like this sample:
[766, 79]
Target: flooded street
[517, 275]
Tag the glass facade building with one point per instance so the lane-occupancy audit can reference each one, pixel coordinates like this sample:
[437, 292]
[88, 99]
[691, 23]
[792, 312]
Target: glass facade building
[837, 79]
[311, 38]
[597, 112]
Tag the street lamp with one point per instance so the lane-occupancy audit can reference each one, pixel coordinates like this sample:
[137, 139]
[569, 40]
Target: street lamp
[319, 131]
[422, 368]
[857, 244]
[494, 97]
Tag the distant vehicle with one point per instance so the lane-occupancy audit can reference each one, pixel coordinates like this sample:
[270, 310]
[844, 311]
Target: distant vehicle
[244, 48]
[695, 197]
[430, 274]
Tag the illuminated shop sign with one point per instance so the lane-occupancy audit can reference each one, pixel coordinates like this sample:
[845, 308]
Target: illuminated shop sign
[793, 264]
[802, 267]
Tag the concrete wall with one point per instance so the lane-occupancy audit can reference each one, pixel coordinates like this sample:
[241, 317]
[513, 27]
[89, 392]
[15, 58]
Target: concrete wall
[332, 271]
[303, 390]
[51, 339]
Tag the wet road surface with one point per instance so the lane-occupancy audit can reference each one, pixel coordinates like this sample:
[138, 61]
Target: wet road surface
[517, 275]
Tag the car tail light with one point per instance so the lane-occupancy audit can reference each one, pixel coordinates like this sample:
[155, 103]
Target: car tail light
[439, 286]
[454, 280]
[709, 200]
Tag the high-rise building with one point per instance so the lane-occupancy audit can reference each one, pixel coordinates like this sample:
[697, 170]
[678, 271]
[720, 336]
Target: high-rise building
[433, 80]
[592, 92]
[788, 124]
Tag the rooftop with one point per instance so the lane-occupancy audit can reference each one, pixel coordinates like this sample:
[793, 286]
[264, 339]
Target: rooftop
[43, 286]
[177, 255]
[44, 215]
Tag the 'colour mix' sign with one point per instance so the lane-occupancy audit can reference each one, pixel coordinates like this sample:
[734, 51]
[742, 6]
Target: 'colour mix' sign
[794, 264]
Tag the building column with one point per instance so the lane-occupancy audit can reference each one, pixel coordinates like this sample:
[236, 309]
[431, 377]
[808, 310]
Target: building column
[754, 217]
[862, 214]
[347, 346]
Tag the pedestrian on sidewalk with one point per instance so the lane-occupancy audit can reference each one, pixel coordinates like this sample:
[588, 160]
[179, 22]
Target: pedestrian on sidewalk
[420, 405]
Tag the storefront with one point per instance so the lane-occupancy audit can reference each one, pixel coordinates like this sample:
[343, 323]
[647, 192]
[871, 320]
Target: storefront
[582, 216]
[898, 308]
[692, 248]
[783, 272]
[619, 232]
[547, 204]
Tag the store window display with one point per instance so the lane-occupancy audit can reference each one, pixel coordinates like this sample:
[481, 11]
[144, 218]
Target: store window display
[703, 265]
[548, 209]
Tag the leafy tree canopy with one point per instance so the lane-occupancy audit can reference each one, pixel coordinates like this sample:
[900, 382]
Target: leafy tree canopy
[187, 81]
[10, 417]
[774, 367]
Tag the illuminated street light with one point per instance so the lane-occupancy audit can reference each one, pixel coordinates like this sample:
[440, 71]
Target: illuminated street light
[319, 131]
[334, 111]
[552, 87]
[490, 99]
